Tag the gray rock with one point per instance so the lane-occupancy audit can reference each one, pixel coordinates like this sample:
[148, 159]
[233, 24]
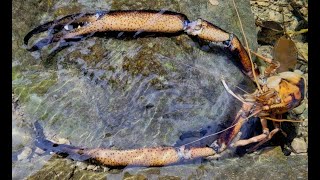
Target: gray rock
[299, 145]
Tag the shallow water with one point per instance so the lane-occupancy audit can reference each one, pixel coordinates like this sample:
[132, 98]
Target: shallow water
[107, 92]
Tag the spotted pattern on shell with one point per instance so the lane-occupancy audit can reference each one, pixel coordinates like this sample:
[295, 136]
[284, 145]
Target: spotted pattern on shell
[157, 156]
[132, 21]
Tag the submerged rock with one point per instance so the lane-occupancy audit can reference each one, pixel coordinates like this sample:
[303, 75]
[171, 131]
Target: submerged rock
[139, 92]
[58, 168]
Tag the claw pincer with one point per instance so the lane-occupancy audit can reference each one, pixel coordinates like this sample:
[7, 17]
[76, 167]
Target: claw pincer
[209, 32]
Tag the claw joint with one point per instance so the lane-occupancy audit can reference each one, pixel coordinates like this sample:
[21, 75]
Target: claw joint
[183, 153]
[228, 42]
[193, 28]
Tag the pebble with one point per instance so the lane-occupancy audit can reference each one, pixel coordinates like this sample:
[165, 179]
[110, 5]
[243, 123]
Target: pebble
[214, 2]
[90, 167]
[304, 11]
[298, 71]
[262, 3]
[96, 168]
[302, 132]
[275, 16]
[299, 3]
[299, 145]
[266, 51]
[302, 48]
[105, 169]
[300, 109]
[24, 154]
[293, 24]
[61, 141]
[81, 165]
[39, 151]
[274, 7]
[305, 123]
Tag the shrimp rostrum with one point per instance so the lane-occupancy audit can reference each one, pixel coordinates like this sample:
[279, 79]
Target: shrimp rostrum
[276, 93]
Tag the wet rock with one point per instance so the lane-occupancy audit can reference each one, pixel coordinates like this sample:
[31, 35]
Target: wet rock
[299, 145]
[24, 154]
